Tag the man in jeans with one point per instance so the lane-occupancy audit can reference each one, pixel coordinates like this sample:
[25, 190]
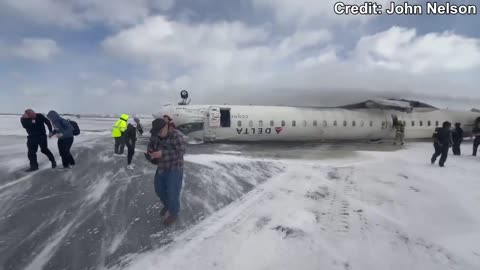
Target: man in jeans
[166, 149]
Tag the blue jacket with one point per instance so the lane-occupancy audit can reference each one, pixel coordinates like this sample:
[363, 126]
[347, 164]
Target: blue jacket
[61, 125]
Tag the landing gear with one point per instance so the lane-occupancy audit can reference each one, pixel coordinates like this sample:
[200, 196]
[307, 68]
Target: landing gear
[184, 96]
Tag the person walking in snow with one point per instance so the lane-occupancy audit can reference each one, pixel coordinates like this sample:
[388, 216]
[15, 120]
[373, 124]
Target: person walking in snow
[442, 141]
[130, 139]
[117, 133]
[457, 137]
[34, 124]
[476, 134]
[64, 132]
[166, 149]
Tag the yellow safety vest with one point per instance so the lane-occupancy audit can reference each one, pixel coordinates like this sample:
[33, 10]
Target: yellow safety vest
[120, 126]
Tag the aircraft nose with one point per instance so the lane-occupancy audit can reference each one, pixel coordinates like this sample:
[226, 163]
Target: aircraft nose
[164, 110]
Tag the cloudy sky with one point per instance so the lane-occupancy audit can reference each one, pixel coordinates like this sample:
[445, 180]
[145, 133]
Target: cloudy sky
[102, 56]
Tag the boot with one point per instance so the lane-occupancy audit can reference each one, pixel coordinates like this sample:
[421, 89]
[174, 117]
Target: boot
[164, 211]
[32, 169]
[54, 164]
[170, 220]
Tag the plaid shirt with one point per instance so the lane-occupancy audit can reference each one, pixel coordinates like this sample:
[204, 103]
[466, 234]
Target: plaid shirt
[173, 149]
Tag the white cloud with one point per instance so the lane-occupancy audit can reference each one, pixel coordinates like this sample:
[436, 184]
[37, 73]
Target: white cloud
[232, 62]
[37, 49]
[216, 55]
[294, 59]
[403, 49]
[158, 40]
[328, 56]
[77, 13]
[306, 13]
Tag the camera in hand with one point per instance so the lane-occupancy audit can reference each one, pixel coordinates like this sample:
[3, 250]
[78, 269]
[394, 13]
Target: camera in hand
[150, 159]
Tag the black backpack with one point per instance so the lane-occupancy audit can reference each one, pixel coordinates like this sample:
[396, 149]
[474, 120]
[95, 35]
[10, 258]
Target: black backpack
[76, 129]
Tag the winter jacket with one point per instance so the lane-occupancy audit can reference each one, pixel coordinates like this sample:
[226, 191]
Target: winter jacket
[36, 127]
[120, 126]
[60, 125]
[443, 136]
[457, 135]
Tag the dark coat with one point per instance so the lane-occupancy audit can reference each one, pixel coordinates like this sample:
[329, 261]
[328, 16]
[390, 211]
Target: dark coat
[36, 127]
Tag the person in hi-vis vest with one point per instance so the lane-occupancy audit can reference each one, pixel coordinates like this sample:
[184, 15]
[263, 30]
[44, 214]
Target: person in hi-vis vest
[117, 133]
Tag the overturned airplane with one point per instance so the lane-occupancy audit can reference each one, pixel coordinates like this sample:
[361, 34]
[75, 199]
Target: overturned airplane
[370, 120]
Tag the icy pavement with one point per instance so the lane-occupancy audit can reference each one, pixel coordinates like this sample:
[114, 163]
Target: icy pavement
[380, 210]
[248, 206]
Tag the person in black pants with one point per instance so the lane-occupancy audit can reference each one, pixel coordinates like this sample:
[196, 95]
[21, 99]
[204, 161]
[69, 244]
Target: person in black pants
[457, 136]
[34, 124]
[130, 138]
[442, 141]
[64, 132]
[476, 141]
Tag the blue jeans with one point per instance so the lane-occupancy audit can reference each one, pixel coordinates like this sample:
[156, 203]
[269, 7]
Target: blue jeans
[168, 185]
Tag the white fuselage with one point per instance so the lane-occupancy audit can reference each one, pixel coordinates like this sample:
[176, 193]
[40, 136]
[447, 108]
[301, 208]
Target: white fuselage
[278, 123]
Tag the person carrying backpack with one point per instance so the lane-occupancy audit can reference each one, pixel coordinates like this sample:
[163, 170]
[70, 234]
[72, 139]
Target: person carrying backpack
[64, 132]
[130, 139]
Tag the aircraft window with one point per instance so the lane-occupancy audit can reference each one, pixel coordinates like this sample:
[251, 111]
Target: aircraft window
[354, 123]
[272, 123]
[315, 123]
[345, 123]
[250, 123]
[325, 123]
[429, 123]
[335, 123]
[413, 123]
[260, 123]
[294, 123]
[421, 123]
[239, 123]
[436, 123]
[304, 123]
[283, 123]
[191, 127]
[384, 124]
[371, 123]
[362, 123]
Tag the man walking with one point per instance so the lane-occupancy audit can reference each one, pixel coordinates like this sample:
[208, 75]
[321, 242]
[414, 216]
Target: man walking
[476, 141]
[166, 149]
[442, 141]
[63, 130]
[117, 133]
[34, 124]
[457, 137]
[130, 138]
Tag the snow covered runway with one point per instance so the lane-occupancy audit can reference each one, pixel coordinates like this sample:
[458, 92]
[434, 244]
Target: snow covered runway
[306, 206]
[381, 210]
